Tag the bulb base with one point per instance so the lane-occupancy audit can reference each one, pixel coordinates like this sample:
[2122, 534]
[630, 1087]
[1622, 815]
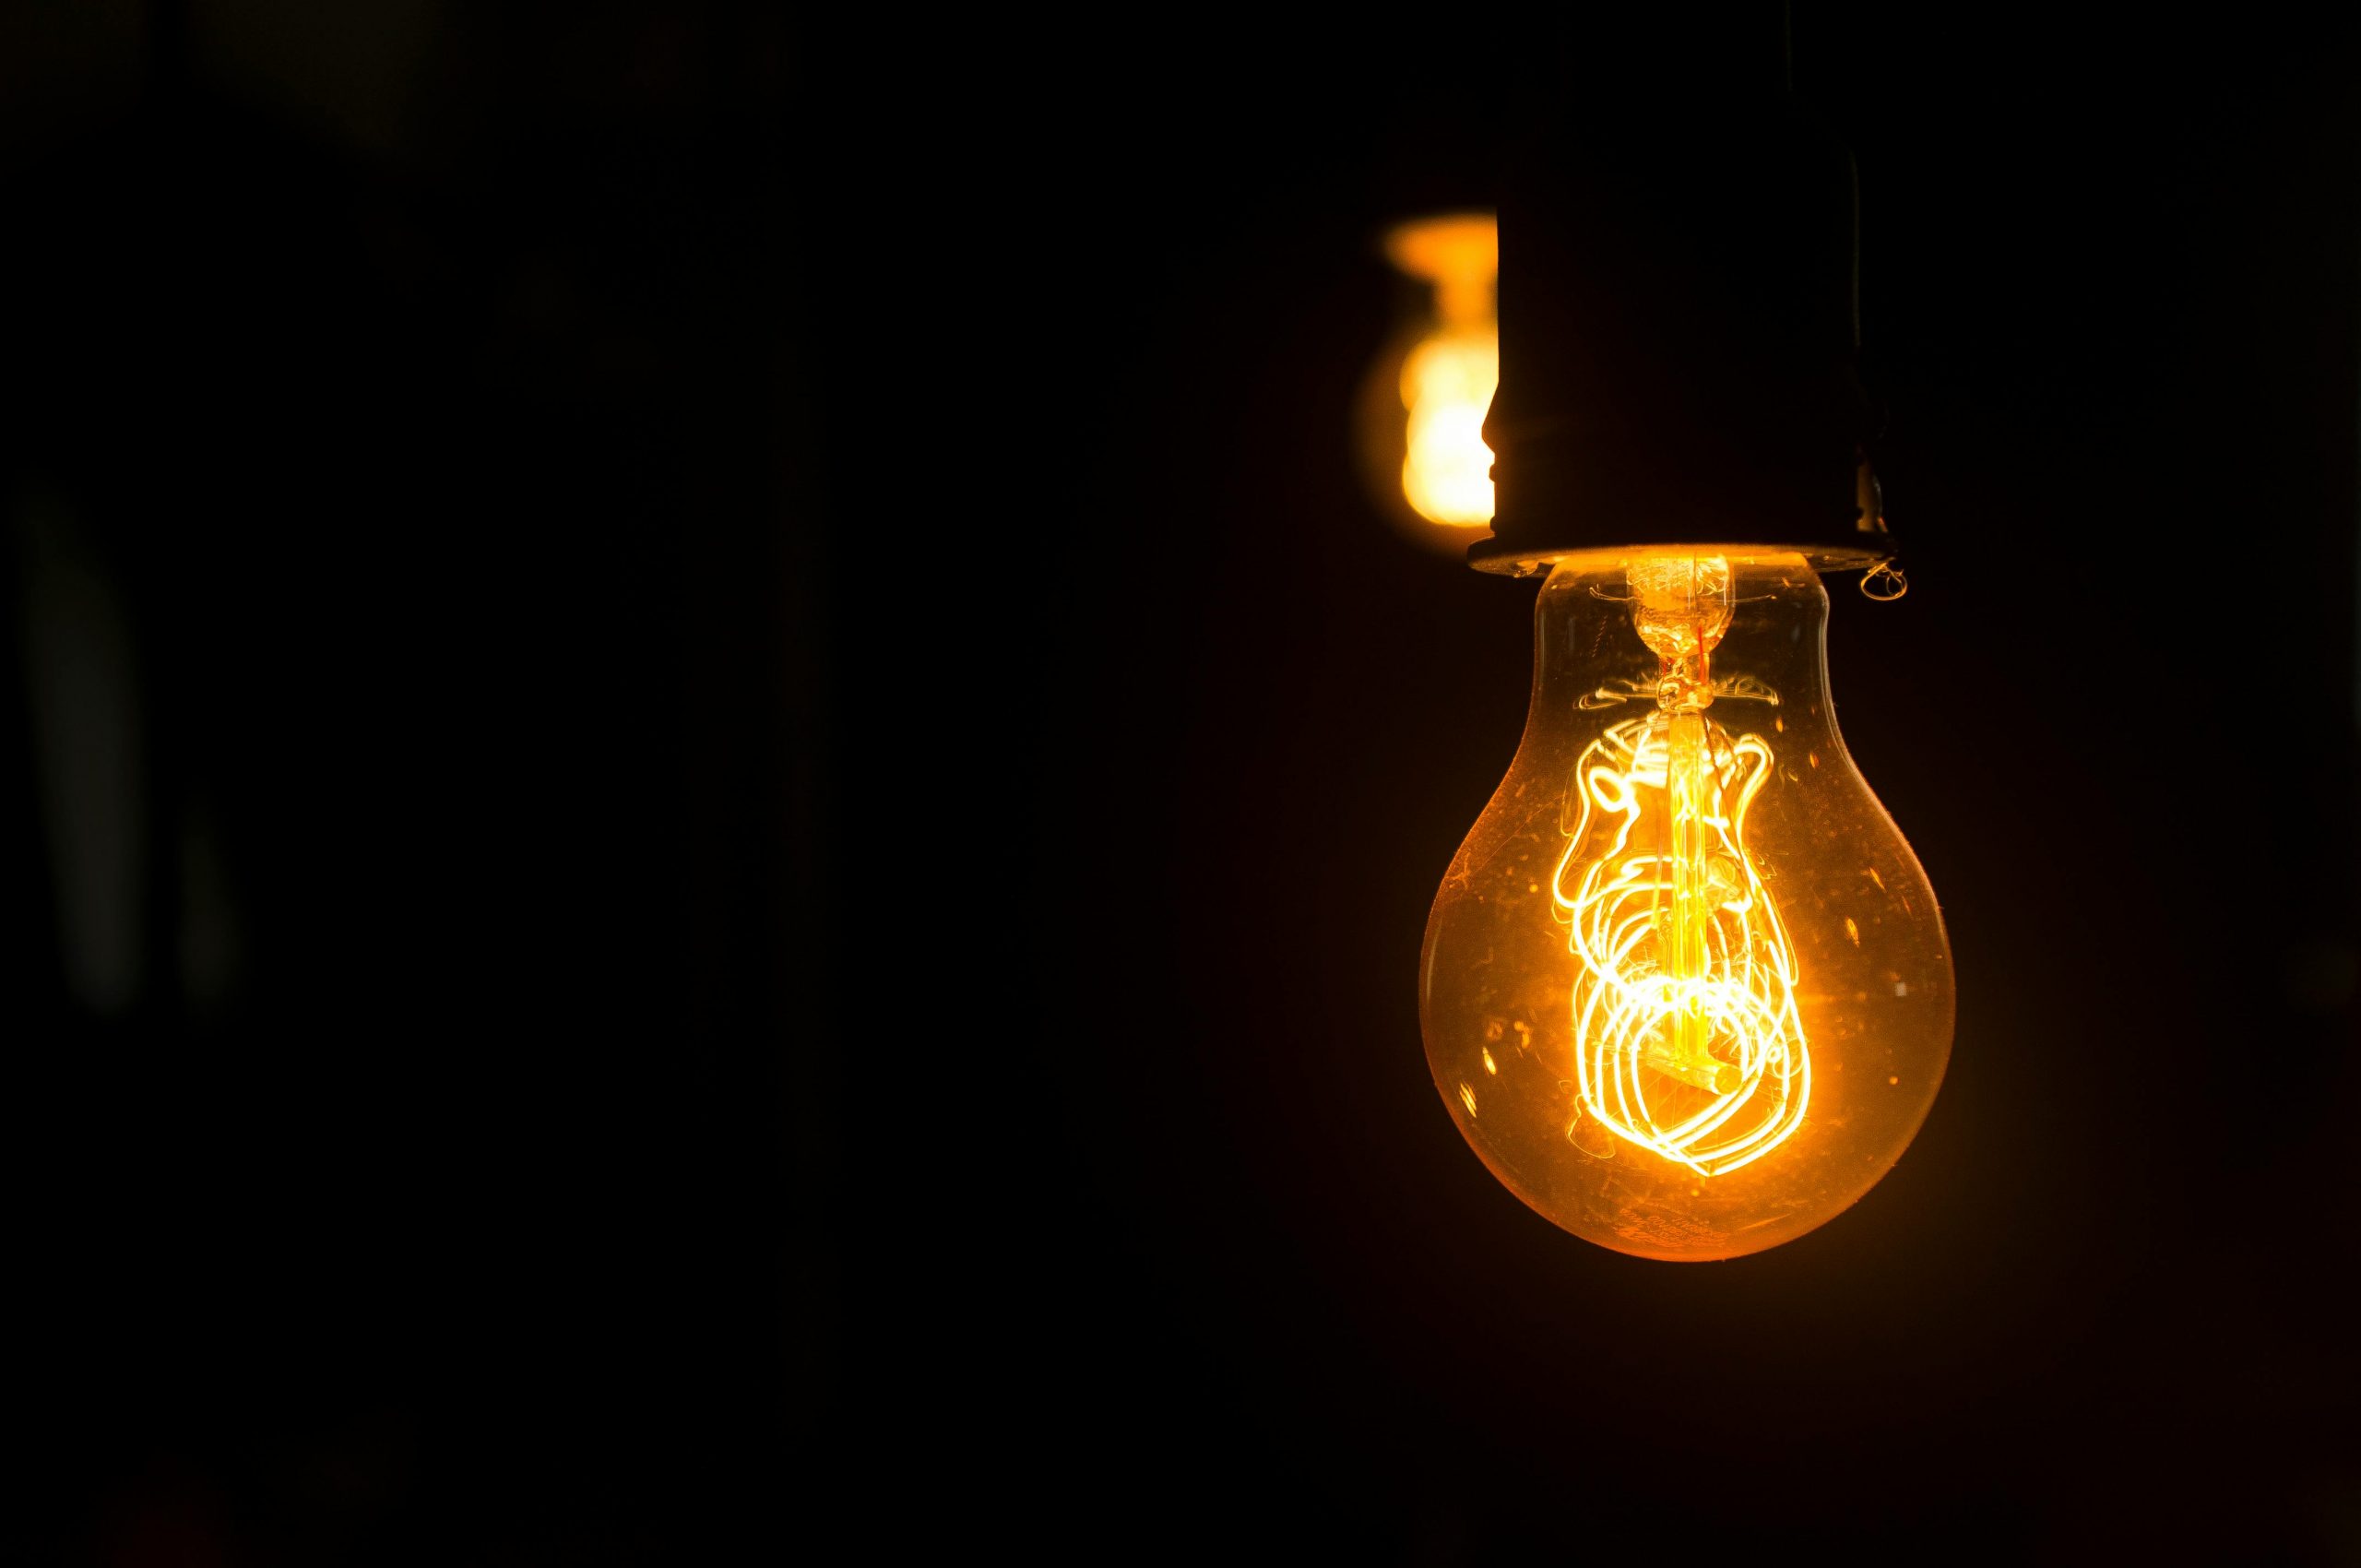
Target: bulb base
[1678, 322]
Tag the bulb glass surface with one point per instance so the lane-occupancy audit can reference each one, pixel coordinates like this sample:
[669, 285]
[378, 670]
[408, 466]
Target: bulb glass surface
[1685, 987]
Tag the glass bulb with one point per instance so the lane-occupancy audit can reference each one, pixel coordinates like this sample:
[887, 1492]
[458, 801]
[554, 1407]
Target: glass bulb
[1685, 988]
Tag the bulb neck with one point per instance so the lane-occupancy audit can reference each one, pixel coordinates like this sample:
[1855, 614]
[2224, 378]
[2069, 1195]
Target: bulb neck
[1681, 606]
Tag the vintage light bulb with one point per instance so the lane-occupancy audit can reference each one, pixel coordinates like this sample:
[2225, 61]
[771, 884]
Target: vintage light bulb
[1685, 988]
[1447, 378]
[1419, 415]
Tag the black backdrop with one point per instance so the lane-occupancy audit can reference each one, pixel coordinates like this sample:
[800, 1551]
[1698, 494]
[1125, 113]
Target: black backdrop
[718, 805]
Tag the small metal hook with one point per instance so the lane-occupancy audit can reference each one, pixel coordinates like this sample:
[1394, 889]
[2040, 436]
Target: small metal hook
[1885, 582]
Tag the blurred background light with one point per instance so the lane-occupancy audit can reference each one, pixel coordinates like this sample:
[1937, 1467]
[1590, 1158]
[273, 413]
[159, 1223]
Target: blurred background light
[1423, 406]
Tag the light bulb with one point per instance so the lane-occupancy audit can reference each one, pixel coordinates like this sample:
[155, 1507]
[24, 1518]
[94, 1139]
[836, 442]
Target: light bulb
[1685, 988]
[1423, 421]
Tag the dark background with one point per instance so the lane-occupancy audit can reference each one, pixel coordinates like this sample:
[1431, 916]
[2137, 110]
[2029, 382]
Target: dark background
[718, 803]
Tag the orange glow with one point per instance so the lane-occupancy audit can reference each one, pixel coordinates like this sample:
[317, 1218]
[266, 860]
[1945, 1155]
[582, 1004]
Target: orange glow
[1685, 972]
[1721, 970]
[1686, 1039]
[1448, 378]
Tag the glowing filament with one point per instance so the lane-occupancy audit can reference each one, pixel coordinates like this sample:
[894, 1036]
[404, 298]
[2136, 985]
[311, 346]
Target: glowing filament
[1685, 1039]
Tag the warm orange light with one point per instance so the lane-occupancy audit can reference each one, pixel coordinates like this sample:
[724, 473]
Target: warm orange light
[1685, 988]
[1448, 378]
